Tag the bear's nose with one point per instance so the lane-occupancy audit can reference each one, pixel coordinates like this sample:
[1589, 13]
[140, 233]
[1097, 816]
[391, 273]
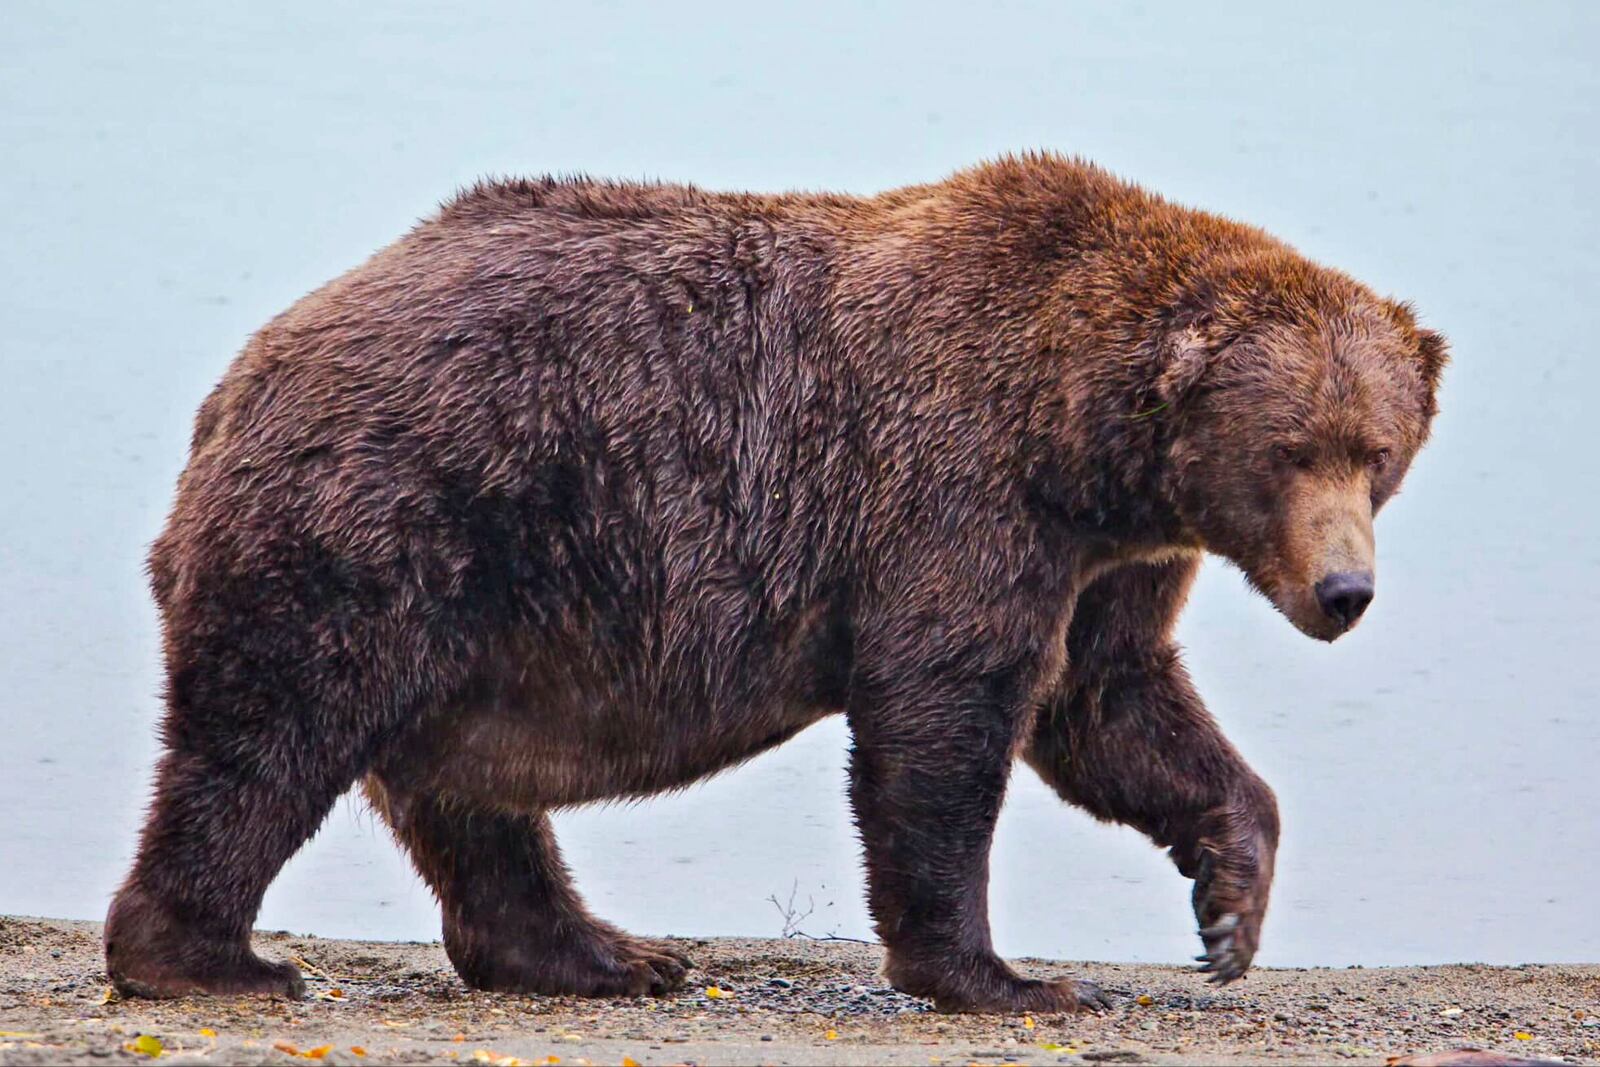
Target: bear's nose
[1345, 596]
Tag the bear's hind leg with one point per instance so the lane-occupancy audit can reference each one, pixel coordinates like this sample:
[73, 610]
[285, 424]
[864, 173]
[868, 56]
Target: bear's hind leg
[215, 839]
[512, 920]
[284, 682]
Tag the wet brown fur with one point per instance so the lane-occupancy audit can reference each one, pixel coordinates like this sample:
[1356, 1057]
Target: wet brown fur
[585, 490]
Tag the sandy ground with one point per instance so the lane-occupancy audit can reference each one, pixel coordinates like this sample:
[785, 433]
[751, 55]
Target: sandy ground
[775, 1002]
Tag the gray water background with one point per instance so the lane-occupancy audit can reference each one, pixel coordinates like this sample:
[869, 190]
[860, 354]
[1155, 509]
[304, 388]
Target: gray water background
[172, 175]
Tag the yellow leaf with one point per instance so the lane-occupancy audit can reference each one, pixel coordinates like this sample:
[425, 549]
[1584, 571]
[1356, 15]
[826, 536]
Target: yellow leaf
[1523, 1035]
[206, 1031]
[1145, 1000]
[24, 1035]
[832, 1035]
[459, 1037]
[357, 1050]
[629, 1061]
[286, 1048]
[111, 995]
[1027, 1022]
[714, 993]
[145, 1045]
[317, 1053]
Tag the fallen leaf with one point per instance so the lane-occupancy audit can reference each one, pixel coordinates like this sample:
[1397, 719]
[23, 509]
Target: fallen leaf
[19, 1034]
[111, 995]
[629, 1061]
[316, 1053]
[1523, 1035]
[206, 1031]
[336, 993]
[1144, 1000]
[832, 1035]
[714, 993]
[483, 1055]
[459, 1037]
[1027, 1022]
[286, 1048]
[357, 1050]
[145, 1045]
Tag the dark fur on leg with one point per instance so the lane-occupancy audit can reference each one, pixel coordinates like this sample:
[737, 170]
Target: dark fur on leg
[935, 732]
[1129, 740]
[281, 684]
[181, 923]
[512, 920]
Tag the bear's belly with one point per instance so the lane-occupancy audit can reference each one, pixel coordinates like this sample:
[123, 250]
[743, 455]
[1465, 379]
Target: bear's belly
[556, 725]
[522, 758]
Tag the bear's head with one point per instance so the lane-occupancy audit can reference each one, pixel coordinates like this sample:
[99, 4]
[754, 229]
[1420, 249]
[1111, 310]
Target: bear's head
[1295, 413]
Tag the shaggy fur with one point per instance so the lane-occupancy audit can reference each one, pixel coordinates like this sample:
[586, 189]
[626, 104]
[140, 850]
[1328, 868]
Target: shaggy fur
[586, 490]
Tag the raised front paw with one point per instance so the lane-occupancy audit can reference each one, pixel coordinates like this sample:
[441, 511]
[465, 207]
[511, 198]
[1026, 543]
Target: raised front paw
[1231, 944]
[1231, 858]
[1230, 901]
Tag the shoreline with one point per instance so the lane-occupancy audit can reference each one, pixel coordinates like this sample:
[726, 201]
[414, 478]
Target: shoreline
[761, 1000]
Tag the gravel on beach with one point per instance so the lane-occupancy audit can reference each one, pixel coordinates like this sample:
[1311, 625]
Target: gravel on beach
[776, 1002]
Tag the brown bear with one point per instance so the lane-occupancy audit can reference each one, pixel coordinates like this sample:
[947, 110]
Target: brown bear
[585, 490]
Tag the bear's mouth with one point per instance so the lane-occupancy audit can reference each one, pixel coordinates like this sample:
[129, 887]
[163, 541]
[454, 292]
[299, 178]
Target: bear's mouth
[1297, 602]
[1308, 617]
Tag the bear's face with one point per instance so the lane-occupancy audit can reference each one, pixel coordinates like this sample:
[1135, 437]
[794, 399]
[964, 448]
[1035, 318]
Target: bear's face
[1291, 437]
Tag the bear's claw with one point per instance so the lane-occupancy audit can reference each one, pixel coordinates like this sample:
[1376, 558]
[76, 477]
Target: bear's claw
[1225, 959]
[1092, 997]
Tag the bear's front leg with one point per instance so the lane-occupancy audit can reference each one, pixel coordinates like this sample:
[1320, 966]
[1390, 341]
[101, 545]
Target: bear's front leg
[1128, 739]
[933, 750]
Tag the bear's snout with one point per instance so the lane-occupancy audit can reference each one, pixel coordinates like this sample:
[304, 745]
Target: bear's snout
[1344, 596]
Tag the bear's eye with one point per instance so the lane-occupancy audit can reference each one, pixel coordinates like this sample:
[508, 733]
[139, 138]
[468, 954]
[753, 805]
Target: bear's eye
[1289, 455]
[1379, 459]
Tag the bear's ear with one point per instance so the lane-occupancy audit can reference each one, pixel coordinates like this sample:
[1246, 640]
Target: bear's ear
[1432, 355]
[1434, 352]
[1187, 354]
